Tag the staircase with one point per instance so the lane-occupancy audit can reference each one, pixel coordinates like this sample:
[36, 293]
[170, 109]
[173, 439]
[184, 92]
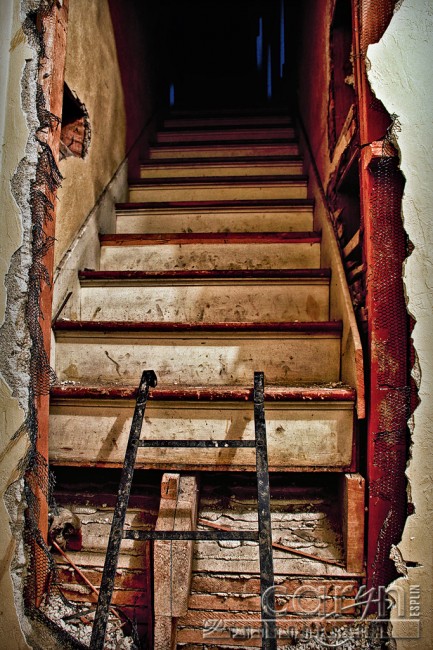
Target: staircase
[215, 271]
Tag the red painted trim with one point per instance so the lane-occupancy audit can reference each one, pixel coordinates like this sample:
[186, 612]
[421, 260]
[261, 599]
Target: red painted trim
[210, 238]
[260, 204]
[206, 393]
[221, 180]
[316, 327]
[238, 274]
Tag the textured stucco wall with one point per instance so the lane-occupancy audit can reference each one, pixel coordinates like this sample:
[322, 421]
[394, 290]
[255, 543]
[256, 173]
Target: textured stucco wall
[401, 77]
[18, 66]
[92, 71]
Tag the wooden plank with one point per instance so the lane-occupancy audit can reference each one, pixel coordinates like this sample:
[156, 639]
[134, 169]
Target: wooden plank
[93, 560]
[356, 272]
[309, 434]
[229, 149]
[125, 580]
[352, 245]
[209, 238]
[161, 146]
[121, 598]
[237, 630]
[207, 583]
[219, 180]
[224, 205]
[205, 393]
[353, 511]
[302, 327]
[172, 564]
[220, 134]
[301, 604]
[209, 300]
[96, 277]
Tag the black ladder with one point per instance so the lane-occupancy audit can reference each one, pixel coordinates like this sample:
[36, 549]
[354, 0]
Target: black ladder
[263, 536]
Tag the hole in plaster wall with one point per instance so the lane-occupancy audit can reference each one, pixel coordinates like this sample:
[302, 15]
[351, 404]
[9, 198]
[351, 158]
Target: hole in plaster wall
[75, 134]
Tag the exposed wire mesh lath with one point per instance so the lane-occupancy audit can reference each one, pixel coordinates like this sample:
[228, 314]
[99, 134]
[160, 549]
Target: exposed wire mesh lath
[390, 351]
[38, 482]
[375, 17]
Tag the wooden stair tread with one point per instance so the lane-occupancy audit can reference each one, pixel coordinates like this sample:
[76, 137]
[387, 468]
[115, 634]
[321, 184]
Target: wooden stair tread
[242, 203]
[182, 162]
[138, 239]
[235, 274]
[217, 144]
[229, 110]
[206, 393]
[301, 327]
[220, 180]
[223, 127]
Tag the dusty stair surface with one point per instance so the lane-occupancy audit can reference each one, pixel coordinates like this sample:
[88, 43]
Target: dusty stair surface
[214, 271]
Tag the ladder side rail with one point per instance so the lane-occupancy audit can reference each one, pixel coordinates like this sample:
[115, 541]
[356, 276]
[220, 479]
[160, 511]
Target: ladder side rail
[148, 379]
[267, 590]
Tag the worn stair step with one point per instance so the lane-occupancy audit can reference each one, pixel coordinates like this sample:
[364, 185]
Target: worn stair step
[225, 134]
[230, 111]
[240, 120]
[198, 353]
[216, 216]
[205, 296]
[307, 428]
[229, 149]
[169, 251]
[198, 167]
[219, 188]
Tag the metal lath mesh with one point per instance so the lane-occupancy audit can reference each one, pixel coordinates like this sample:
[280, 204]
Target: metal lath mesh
[38, 482]
[391, 351]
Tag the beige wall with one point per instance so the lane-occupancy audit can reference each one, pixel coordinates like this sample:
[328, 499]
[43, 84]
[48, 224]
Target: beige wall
[92, 71]
[401, 77]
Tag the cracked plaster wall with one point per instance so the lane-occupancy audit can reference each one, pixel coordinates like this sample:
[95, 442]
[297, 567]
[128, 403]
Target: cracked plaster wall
[92, 72]
[401, 77]
[18, 122]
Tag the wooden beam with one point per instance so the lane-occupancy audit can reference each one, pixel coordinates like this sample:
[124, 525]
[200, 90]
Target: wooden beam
[353, 511]
[173, 560]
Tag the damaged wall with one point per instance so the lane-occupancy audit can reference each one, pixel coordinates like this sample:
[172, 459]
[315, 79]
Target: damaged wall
[18, 162]
[401, 77]
[92, 72]
[110, 49]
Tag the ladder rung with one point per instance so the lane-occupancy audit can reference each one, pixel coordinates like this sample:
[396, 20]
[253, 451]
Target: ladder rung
[197, 443]
[192, 535]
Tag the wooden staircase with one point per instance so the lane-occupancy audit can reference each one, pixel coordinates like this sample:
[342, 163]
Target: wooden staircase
[215, 271]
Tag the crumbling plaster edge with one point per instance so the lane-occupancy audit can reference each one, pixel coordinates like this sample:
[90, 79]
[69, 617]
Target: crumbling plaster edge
[14, 332]
[400, 78]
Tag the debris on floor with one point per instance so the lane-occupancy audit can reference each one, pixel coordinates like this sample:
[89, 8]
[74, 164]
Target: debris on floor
[77, 622]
